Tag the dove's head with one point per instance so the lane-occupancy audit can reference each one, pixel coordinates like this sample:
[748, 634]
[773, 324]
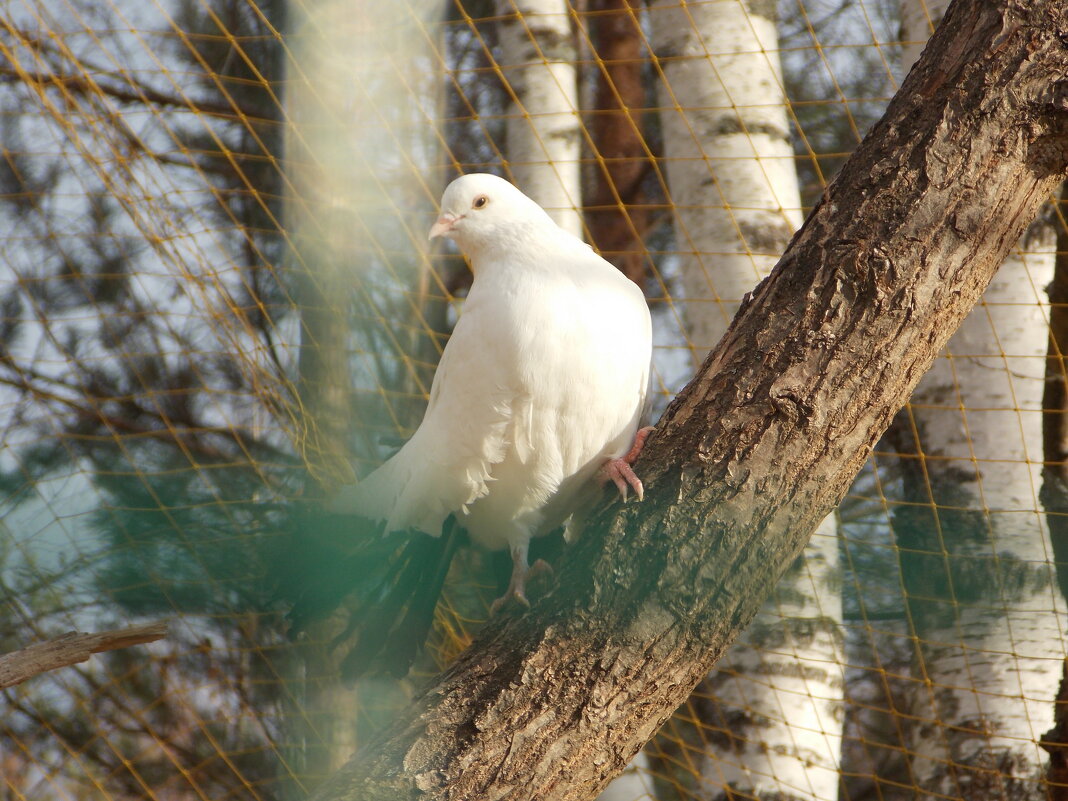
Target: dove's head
[479, 209]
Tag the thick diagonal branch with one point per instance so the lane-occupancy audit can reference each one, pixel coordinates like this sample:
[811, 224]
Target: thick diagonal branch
[765, 440]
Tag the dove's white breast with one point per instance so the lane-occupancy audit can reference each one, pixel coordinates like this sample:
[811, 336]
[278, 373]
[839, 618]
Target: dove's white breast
[543, 379]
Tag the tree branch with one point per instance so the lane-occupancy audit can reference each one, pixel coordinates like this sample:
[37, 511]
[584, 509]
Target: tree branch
[133, 91]
[764, 441]
[90, 406]
[71, 648]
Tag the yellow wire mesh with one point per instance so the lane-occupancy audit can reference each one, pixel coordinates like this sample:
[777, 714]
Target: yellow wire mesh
[217, 300]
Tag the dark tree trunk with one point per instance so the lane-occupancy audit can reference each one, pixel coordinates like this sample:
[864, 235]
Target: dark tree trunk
[614, 213]
[1055, 484]
[1055, 741]
[1055, 406]
[764, 441]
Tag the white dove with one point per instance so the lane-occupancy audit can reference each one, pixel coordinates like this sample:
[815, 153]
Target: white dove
[539, 390]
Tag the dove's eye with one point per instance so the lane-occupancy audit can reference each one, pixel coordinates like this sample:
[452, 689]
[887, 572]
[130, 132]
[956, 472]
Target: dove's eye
[480, 202]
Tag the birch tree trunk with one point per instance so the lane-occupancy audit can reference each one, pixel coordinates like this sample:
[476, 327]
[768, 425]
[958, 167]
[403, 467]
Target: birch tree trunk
[635, 783]
[983, 599]
[976, 553]
[763, 443]
[538, 56]
[730, 167]
[773, 707]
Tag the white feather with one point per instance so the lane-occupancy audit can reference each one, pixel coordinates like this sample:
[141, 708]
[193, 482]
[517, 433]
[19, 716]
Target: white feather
[542, 381]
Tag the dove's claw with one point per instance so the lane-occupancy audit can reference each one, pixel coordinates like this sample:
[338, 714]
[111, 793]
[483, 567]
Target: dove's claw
[540, 568]
[519, 596]
[623, 476]
[619, 470]
[517, 585]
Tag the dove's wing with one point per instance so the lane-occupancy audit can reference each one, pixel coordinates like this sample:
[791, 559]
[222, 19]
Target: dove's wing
[446, 464]
[582, 345]
[543, 380]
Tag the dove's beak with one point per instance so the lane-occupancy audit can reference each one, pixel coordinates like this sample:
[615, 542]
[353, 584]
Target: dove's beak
[443, 226]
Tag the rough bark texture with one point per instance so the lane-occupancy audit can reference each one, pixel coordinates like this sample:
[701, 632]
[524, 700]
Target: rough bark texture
[773, 708]
[71, 648]
[756, 451]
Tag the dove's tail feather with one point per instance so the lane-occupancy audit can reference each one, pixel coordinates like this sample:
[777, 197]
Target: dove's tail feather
[321, 560]
[404, 615]
[387, 584]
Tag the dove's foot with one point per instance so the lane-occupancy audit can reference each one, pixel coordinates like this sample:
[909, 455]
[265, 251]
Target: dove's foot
[517, 585]
[620, 471]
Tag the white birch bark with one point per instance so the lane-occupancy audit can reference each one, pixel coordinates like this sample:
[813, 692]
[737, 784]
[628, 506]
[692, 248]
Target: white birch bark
[730, 166]
[986, 607]
[544, 130]
[633, 784]
[774, 707]
[984, 601]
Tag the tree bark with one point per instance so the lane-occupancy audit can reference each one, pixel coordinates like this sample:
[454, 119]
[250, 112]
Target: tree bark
[1055, 484]
[975, 548]
[1055, 405]
[983, 601]
[723, 107]
[763, 443]
[1055, 741]
[773, 707]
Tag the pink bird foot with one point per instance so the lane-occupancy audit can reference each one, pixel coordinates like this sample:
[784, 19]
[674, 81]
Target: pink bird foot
[517, 585]
[619, 470]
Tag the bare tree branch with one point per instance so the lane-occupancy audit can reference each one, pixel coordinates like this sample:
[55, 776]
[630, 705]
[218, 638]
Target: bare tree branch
[132, 92]
[71, 648]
